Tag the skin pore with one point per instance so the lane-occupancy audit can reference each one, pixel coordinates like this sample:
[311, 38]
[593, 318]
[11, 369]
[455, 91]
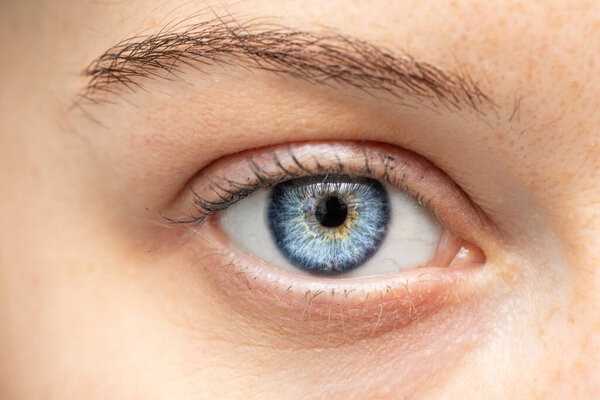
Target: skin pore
[494, 103]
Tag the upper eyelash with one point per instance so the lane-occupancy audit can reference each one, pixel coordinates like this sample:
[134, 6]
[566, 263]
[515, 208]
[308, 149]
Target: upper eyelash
[239, 191]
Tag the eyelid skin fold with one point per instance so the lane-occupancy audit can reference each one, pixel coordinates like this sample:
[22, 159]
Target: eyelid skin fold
[332, 311]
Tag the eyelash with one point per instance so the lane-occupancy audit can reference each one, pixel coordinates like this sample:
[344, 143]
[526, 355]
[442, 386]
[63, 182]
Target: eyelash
[236, 191]
[236, 177]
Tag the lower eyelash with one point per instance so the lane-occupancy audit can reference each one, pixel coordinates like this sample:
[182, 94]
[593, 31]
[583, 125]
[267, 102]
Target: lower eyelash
[332, 313]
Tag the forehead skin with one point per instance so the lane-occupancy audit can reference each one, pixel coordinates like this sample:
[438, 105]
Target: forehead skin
[538, 60]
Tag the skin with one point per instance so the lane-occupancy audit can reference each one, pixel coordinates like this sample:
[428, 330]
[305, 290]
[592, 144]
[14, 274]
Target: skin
[96, 301]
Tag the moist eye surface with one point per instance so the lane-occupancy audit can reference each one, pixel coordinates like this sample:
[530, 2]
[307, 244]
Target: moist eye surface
[344, 221]
[328, 224]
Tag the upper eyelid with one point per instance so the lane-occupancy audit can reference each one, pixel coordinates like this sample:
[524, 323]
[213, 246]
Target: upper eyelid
[317, 57]
[414, 170]
[239, 191]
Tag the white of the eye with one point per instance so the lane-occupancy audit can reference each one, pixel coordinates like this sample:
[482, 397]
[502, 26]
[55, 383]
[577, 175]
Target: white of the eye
[411, 240]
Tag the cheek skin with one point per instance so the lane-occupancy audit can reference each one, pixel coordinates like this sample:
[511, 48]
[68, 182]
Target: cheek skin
[395, 339]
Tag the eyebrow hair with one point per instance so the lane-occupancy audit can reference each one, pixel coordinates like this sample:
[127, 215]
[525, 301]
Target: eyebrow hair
[323, 58]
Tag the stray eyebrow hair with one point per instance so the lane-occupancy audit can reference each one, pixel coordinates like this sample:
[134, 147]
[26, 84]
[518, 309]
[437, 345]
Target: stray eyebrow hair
[323, 58]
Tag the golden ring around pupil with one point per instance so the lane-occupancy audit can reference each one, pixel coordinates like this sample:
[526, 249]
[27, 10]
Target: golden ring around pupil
[319, 232]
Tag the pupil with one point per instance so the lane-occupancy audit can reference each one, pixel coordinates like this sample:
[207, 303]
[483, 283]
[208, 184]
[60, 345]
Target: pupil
[332, 212]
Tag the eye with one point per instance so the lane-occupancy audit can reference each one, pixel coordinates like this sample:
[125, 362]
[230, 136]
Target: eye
[333, 240]
[334, 225]
[337, 210]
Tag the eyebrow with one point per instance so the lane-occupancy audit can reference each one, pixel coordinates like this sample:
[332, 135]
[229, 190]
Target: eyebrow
[324, 58]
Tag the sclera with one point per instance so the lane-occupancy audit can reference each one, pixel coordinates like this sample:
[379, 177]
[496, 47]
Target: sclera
[412, 235]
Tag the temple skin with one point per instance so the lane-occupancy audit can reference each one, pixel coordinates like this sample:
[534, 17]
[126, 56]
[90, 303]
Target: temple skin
[100, 298]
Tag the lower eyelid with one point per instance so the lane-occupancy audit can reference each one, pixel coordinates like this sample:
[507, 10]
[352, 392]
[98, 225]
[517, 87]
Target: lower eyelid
[327, 312]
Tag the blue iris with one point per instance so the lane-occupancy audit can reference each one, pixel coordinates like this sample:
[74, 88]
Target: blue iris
[328, 224]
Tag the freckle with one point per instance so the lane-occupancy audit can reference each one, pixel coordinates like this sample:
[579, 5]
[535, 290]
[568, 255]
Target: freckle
[574, 85]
